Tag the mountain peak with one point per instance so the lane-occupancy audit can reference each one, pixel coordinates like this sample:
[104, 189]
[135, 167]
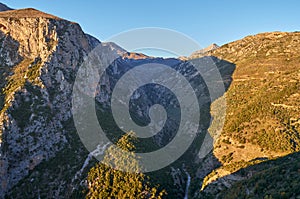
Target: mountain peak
[27, 12]
[212, 46]
[203, 51]
[134, 55]
[4, 7]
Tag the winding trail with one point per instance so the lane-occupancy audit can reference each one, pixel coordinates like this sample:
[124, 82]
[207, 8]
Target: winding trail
[98, 151]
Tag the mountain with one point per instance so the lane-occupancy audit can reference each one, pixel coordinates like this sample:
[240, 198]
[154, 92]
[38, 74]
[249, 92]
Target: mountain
[4, 7]
[204, 51]
[200, 53]
[38, 61]
[262, 121]
[40, 54]
[42, 155]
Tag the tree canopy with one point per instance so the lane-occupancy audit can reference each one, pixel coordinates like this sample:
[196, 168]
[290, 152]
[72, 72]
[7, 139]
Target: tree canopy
[111, 179]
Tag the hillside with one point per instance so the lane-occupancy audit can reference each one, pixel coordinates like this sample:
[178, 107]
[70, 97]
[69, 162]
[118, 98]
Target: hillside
[42, 155]
[39, 57]
[262, 119]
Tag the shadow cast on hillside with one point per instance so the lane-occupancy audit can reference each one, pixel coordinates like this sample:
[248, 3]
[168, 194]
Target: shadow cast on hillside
[210, 78]
[199, 161]
[276, 178]
[217, 76]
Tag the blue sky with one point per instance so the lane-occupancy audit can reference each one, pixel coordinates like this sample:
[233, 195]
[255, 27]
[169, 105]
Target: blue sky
[205, 21]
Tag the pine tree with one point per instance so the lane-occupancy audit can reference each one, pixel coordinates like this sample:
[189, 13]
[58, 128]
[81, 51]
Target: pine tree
[108, 181]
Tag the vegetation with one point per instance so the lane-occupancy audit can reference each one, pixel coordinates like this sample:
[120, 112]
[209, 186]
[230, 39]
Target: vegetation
[275, 179]
[262, 117]
[262, 113]
[262, 121]
[27, 70]
[262, 101]
[55, 172]
[106, 181]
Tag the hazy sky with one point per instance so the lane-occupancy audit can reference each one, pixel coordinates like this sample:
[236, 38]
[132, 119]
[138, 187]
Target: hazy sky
[207, 22]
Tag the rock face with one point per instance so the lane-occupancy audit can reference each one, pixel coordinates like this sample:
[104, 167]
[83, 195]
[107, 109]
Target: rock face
[41, 153]
[40, 55]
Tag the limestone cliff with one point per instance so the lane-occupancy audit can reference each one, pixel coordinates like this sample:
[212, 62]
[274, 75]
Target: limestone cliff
[39, 54]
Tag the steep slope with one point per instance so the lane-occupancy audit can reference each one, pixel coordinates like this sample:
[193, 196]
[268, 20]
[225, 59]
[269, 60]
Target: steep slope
[40, 153]
[42, 156]
[39, 54]
[273, 179]
[4, 7]
[263, 106]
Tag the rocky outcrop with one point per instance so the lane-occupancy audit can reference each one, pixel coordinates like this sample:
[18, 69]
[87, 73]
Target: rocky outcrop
[40, 54]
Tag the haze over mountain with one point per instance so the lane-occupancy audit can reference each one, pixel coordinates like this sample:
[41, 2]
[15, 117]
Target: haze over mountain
[41, 155]
[3, 7]
[204, 50]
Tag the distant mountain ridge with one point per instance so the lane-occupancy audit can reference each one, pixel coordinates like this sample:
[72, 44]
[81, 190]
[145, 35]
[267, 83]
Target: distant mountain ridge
[204, 50]
[4, 7]
[200, 53]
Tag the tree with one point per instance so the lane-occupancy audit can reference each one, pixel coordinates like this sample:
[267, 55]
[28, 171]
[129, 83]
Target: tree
[106, 180]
